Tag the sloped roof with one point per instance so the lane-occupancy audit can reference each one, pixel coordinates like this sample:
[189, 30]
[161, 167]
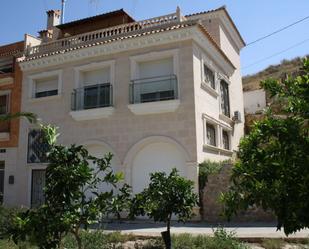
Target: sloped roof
[222, 8]
[95, 18]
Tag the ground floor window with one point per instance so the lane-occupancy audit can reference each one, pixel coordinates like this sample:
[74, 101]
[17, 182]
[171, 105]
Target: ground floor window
[225, 140]
[211, 134]
[37, 185]
[1, 181]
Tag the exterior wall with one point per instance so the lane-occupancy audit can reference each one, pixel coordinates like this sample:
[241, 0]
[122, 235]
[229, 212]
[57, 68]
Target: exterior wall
[254, 101]
[210, 104]
[15, 99]
[205, 103]
[122, 130]
[212, 208]
[8, 147]
[236, 93]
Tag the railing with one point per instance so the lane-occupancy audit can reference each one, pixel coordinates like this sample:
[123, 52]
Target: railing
[102, 34]
[153, 89]
[94, 96]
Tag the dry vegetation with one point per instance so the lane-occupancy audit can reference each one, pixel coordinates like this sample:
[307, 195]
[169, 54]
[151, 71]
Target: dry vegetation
[252, 82]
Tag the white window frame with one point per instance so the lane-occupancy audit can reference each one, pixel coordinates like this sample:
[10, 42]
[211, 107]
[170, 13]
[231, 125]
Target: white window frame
[219, 126]
[154, 56]
[205, 85]
[8, 101]
[221, 115]
[41, 76]
[94, 66]
[229, 133]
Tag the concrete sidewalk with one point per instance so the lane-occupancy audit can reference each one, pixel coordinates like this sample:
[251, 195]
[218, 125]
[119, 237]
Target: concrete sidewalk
[242, 230]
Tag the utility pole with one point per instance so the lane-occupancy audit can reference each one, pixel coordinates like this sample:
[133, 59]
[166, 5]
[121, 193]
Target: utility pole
[62, 10]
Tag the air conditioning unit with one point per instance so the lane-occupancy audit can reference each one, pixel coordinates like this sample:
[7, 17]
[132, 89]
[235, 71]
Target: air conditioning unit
[237, 117]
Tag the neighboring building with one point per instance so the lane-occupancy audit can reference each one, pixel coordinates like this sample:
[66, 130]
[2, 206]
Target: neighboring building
[160, 93]
[10, 98]
[256, 99]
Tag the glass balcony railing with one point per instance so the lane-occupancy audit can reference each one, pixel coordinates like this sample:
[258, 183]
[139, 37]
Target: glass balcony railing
[93, 96]
[154, 89]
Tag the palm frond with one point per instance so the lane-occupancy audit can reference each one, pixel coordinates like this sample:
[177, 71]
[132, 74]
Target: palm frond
[31, 117]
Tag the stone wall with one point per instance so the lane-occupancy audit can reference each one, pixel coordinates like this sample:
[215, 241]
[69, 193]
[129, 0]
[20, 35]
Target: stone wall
[212, 209]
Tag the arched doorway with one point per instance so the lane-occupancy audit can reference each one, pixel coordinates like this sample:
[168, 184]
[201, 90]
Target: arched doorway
[153, 154]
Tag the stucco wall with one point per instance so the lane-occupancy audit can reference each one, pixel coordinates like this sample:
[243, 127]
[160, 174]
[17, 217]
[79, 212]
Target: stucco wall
[254, 101]
[122, 130]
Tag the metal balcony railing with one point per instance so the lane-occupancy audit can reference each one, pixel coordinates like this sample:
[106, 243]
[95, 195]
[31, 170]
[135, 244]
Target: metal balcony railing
[93, 96]
[154, 89]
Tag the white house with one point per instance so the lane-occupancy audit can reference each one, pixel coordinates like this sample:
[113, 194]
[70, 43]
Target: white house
[159, 93]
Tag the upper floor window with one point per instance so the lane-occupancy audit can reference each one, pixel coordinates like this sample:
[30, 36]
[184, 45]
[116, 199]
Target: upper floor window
[94, 86]
[155, 81]
[46, 87]
[211, 134]
[4, 103]
[37, 147]
[45, 84]
[225, 100]
[209, 77]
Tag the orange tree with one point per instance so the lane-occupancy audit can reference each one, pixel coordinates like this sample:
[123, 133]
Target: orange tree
[272, 170]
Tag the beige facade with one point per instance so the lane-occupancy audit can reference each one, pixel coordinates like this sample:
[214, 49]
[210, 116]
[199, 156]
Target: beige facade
[144, 136]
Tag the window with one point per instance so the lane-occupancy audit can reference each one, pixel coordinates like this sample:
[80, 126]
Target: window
[209, 77]
[37, 188]
[211, 134]
[46, 87]
[155, 81]
[225, 101]
[1, 181]
[37, 147]
[225, 140]
[45, 84]
[4, 104]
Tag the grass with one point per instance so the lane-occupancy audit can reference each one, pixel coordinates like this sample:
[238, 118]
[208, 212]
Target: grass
[100, 240]
[273, 243]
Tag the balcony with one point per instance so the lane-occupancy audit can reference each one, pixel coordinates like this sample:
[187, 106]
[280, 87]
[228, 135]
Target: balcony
[4, 130]
[154, 95]
[103, 34]
[92, 102]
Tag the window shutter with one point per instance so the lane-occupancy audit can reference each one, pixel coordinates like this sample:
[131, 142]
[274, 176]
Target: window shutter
[96, 77]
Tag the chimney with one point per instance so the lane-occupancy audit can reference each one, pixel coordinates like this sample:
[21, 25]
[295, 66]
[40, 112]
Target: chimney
[53, 18]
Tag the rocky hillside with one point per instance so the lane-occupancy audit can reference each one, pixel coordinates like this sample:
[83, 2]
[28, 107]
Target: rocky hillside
[252, 82]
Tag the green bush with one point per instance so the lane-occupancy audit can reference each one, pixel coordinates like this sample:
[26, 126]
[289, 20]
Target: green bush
[7, 216]
[221, 240]
[272, 243]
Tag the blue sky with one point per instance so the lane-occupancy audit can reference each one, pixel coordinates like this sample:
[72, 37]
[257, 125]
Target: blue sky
[254, 18]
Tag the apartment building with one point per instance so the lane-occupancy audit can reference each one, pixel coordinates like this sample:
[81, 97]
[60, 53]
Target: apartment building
[10, 97]
[159, 93]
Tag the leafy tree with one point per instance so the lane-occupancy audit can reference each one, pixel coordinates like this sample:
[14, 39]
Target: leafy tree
[272, 171]
[165, 196]
[73, 196]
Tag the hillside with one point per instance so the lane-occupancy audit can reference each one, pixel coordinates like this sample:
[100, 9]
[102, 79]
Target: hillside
[252, 82]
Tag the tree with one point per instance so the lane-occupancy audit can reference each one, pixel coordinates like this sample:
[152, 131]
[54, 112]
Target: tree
[165, 196]
[73, 196]
[272, 170]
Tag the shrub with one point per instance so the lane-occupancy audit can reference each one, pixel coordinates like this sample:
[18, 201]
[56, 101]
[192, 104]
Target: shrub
[165, 196]
[272, 243]
[7, 216]
[221, 240]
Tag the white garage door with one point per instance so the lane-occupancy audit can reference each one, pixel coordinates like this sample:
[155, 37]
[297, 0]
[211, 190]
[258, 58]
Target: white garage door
[160, 156]
[99, 151]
